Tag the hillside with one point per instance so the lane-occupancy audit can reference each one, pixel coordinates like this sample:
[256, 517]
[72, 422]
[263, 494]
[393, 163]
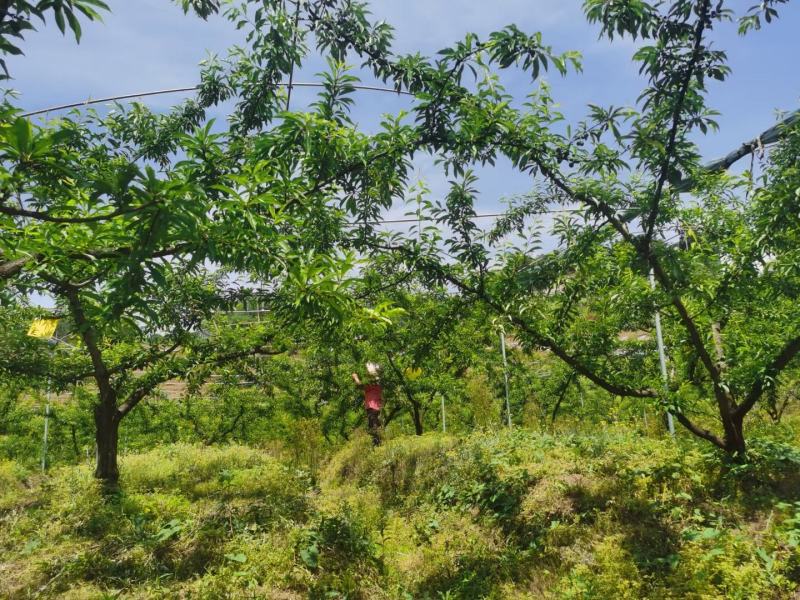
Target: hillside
[509, 515]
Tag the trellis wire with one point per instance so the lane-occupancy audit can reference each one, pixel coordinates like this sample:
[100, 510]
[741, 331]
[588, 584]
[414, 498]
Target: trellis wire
[90, 101]
[478, 216]
[770, 136]
[767, 137]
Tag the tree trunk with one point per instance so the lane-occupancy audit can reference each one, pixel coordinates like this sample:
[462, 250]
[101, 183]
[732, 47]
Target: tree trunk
[75, 449]
[417, 416]
[415, 407]
[106, 420]
[734, 436]
[562, 394]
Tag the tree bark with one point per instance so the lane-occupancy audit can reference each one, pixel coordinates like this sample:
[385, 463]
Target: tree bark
[417, 416]
[561, 395]
[416, 410]
[734, 436]
[75, 448]
[106, 420]
[10, 268]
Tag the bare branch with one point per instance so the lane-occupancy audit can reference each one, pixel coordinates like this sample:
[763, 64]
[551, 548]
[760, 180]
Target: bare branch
[699, 431]
[784, 357]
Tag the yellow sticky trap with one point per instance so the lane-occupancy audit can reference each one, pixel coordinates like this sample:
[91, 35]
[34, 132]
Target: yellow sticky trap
[413, 373]
[43, 328]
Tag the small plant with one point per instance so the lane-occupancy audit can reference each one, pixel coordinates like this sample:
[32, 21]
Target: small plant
[169, 530]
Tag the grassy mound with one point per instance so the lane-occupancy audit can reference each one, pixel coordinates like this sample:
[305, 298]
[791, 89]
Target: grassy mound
[185, 511]
[512, 515]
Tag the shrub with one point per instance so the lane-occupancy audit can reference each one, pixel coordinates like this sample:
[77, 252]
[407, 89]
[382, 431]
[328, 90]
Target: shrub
[12, 485]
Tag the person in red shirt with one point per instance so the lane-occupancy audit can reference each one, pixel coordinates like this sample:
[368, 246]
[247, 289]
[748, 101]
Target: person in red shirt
[373, 399]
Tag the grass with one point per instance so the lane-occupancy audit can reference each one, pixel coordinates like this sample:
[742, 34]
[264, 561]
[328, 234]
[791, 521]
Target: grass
[508, 515]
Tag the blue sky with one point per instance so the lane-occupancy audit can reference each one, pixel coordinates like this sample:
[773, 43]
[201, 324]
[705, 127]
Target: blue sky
[150, 44]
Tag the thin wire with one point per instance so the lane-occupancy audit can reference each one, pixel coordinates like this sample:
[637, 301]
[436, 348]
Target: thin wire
[481, 216]
[90, 101]
[768, 137]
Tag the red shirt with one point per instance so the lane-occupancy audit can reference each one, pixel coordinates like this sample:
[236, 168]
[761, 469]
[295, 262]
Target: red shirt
[372, 397]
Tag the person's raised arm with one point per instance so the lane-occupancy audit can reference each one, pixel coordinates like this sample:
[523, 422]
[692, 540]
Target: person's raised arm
[355, 378]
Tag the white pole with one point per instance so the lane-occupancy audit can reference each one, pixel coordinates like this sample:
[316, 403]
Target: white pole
[505, 375]
[444, 417]
[419, 218]
[662, 359]
[46, 424]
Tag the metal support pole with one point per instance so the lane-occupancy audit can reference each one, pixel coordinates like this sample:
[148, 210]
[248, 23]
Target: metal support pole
[46, 427]
[505, 375]
[662, 358]
[419, 218]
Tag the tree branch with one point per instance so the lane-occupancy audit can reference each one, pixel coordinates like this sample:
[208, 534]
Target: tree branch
[562, 394]
[10, 268]
[784, 357]
[546, 342]
[89, 336]
[153, 380]
[47, 217]
[133, 363]
[221, 434]
[699, 431]
[676, 119]
[644, 252]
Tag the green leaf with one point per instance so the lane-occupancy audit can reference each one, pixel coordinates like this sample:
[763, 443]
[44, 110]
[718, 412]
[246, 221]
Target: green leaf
[20, 135]
[74, 25]
[59, 14]
[310, 556]
[238, 558]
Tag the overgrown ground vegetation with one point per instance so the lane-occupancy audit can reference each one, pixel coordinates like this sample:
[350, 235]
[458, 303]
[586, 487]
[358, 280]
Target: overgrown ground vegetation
[511, 514]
